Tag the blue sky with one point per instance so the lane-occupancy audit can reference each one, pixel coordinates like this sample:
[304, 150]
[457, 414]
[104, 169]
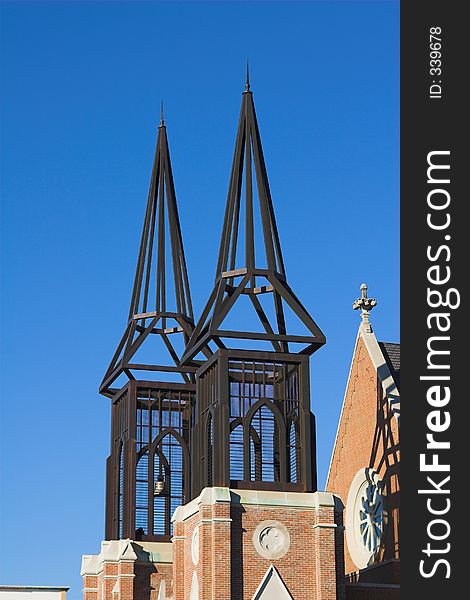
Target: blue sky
[81, 88]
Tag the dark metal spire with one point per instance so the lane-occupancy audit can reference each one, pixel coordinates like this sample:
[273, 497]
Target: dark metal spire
[162, 115]
[161, 300]
[247, 82]
[240, 270]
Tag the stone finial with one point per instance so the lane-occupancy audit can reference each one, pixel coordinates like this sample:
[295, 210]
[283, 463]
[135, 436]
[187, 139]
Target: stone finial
[366, 305]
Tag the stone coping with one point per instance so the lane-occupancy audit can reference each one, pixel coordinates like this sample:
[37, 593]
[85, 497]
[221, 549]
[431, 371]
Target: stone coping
[216, 495]
[160, 552]
[127, 550]
[33, 588]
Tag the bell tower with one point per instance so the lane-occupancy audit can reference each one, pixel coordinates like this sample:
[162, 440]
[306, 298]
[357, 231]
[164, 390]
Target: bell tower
[257, 528]
[253, 428]
[211, 481]
[148, 470]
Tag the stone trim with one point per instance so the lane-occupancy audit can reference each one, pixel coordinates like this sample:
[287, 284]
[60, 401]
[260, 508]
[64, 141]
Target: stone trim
[389, 387]
[35, 588]
[208, 497]
[126, 552]
[359, 553]
[291, 500]
[214, 520]
[282, 540]
[281, 586]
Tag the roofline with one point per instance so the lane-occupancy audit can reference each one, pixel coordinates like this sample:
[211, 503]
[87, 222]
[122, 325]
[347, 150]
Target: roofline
[389, 386]
[54, 588]
[342, 406]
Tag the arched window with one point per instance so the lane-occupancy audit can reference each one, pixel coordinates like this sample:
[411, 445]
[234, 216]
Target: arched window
[142, 493]
[236, 453]
[161, 471]
[293, 453]
[120, 488]
[255, 457]
[264, 451]
[169, 467]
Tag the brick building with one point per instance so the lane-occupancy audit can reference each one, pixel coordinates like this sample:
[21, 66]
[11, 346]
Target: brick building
[365, 464]
[211, 488]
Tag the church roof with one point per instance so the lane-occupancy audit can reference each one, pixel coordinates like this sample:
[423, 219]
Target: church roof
[391, 352]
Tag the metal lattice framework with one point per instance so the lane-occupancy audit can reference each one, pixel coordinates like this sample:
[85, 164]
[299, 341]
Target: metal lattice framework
[239, 418]
[149, 444]
[233, 281]
[148, 470]
[253, 428]
[153, 312]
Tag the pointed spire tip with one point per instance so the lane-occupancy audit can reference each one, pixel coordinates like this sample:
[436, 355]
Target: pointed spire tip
[162, 114]
[247, 82]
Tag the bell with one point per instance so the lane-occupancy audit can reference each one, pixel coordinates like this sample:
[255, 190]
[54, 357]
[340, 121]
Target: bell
[159, 485]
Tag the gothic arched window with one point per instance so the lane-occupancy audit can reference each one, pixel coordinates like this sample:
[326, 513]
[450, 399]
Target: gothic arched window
[255, 457]
[264, 451]
[169, 467]
[142, 493]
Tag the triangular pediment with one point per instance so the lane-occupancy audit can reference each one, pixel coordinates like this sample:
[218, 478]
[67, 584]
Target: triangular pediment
[272, 587]
[162, 591]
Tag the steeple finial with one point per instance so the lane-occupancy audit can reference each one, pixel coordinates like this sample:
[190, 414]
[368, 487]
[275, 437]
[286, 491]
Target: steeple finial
[247, 82]
[366, 305]
[162, 114]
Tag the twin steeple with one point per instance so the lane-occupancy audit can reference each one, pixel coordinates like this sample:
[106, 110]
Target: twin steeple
[241, 416]
[244, 270]
[161, 299]
[250, 266]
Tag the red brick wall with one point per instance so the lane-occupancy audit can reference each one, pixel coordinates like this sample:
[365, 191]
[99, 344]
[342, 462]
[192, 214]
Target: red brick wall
[367, 437]
[143, 583]
[297, 567]
[388, 571]
[230, 568]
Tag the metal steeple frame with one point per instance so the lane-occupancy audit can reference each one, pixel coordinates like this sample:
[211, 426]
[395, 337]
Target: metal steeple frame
[234, 281]
[161, 299]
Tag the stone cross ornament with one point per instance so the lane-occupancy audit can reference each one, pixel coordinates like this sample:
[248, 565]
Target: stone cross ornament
[366, 305]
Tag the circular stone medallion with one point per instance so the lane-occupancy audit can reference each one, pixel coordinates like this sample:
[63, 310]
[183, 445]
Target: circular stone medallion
[271, 539]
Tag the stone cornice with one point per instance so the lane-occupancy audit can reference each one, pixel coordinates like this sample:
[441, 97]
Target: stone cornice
[261, 498]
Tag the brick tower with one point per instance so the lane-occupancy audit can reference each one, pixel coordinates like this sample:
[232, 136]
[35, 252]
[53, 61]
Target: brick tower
[248, 522]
